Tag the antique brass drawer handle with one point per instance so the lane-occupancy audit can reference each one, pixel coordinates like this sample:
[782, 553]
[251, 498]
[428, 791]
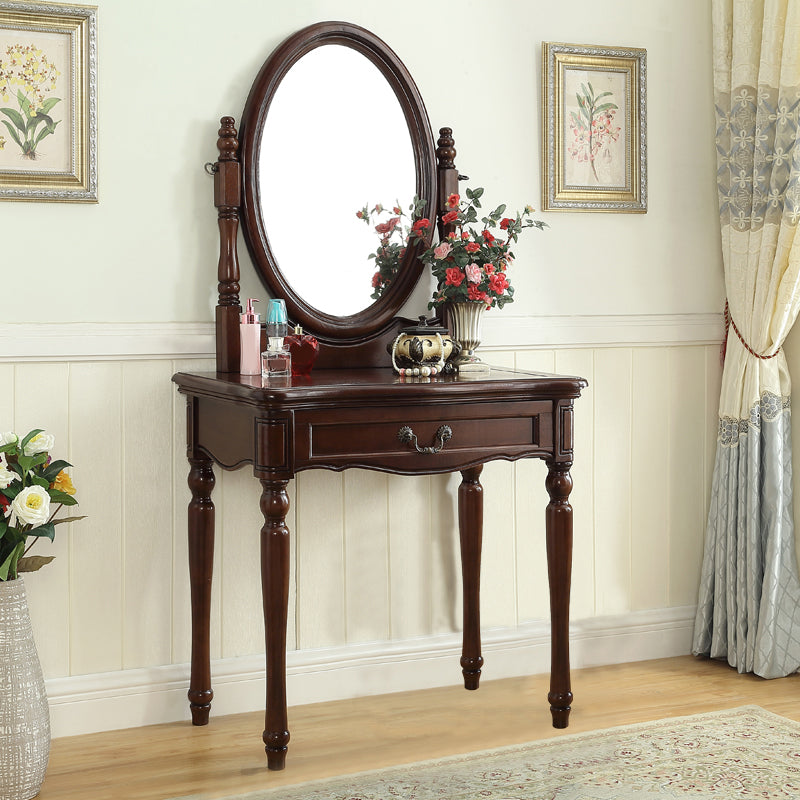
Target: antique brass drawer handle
[444, 434]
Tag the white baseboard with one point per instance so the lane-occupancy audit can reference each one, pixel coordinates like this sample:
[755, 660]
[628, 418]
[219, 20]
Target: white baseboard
[89, 341]
[132, 698]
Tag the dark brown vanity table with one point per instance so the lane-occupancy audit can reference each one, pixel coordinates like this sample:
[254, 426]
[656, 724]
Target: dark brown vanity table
[350, 411]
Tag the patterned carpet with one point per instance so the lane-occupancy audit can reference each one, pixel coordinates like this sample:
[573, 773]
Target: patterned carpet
[741, 754]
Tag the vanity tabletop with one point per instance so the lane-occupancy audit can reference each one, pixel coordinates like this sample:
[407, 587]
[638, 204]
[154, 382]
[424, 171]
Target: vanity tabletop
[340, 385]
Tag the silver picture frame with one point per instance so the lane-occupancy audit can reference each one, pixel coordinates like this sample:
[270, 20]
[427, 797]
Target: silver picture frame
[48, 122]
[594, 143]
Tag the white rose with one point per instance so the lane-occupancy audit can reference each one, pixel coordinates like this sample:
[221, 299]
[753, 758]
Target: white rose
[8, 438]
[7, 476]
[32, 505]
[40, 443]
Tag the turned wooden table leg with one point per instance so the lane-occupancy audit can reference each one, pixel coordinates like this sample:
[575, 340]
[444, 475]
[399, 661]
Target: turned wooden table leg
[470, 527]
[559, 569]
[201, 567]
[275, 594]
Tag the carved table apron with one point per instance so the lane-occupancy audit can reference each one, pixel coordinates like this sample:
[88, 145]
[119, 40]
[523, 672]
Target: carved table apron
[338, 419]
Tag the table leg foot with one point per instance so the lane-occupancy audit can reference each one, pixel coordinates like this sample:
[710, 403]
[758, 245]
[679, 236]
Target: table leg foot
[471, 670]
[276, 749]
[200, 705]
[560, 706]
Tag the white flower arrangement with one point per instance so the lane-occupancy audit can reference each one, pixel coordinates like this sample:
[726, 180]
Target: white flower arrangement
[31, 483]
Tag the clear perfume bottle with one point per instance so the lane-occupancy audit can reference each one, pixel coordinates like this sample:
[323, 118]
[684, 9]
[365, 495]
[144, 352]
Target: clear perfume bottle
[276, 360]
[276, 363]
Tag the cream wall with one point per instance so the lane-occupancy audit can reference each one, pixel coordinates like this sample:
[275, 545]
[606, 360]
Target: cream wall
[169, 70]
[124, 296]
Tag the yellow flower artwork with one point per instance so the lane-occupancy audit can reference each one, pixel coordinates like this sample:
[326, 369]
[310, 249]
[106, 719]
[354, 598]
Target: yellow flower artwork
[28, 78]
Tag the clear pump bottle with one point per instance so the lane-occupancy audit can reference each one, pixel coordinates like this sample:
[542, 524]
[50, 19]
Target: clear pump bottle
[276, 361]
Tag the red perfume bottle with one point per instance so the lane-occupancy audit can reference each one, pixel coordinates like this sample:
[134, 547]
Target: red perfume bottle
[304, 349]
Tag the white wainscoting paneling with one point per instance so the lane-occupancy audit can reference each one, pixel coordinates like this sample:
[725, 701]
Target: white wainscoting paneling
[375, 567]
[134, 697]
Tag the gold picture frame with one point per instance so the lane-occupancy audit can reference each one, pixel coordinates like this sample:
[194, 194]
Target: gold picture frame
[594, 142]
[48, 102]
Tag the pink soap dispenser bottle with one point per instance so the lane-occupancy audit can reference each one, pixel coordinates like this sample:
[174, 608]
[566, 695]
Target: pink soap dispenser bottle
[250, 338]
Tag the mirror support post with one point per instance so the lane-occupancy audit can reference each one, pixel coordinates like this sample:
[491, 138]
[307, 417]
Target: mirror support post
[447, 177]
[447, 184]
[227, 199]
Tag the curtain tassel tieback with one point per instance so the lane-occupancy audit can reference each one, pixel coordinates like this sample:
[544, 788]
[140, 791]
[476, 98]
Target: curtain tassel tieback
[728, 323]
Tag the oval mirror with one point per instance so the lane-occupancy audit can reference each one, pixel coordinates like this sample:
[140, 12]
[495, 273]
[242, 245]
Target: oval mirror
[334, 126]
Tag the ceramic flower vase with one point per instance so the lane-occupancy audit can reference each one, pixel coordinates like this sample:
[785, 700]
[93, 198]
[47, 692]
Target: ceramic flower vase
[24, 713]
[464, 321]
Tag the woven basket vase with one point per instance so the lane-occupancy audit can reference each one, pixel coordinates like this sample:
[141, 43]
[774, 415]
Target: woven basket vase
[24, 714]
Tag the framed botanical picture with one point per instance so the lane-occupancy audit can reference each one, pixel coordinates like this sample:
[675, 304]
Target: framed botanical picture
[594, 139]
[48, 102]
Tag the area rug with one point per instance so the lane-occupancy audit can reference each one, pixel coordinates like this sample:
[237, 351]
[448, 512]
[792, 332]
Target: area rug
[741, 754]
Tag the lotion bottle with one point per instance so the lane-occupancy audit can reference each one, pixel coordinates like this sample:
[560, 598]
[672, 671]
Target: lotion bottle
[250, 338]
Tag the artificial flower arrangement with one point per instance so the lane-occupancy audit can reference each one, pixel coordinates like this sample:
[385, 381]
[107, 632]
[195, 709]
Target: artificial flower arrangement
[31, 484]
[394, 235]
[471, 264]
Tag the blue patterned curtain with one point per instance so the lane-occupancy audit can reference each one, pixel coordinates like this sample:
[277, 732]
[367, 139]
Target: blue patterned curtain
[749, 603]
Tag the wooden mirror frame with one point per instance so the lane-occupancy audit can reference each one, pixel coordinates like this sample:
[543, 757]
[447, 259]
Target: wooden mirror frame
[354, 340]
[379, 313]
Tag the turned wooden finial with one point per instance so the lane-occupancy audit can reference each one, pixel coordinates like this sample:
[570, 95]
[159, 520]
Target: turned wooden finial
[447, 180]
[227, 144]
[445, 149]
[227, 199]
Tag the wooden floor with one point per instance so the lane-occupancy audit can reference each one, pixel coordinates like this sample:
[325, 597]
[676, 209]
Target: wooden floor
[227, 756]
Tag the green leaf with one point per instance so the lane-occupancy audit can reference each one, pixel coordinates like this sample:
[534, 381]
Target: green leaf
[603, 94]
[477, 192]
[604, 106]
[39, 481]
[24, 103]
[33, 122]
[46, 132]
[3, 528]
[25, 463]
[68, 519]
[9, 566]
[54, 467]
[15, 117]
[33, 563]
[12, 491]
[51, 101]
[47, 530]
[14, 134]
[62, 497]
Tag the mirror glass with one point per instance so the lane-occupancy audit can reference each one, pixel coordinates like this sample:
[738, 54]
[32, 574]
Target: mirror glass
[335, 142]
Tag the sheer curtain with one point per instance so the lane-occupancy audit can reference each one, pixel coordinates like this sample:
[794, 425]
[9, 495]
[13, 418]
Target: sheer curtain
[749, 602]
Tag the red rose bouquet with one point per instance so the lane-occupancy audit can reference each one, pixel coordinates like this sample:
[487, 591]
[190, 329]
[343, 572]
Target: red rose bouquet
[389, 225]
[471, 263]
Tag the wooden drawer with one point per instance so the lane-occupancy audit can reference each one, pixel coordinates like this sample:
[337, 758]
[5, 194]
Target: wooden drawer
[370, 437]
